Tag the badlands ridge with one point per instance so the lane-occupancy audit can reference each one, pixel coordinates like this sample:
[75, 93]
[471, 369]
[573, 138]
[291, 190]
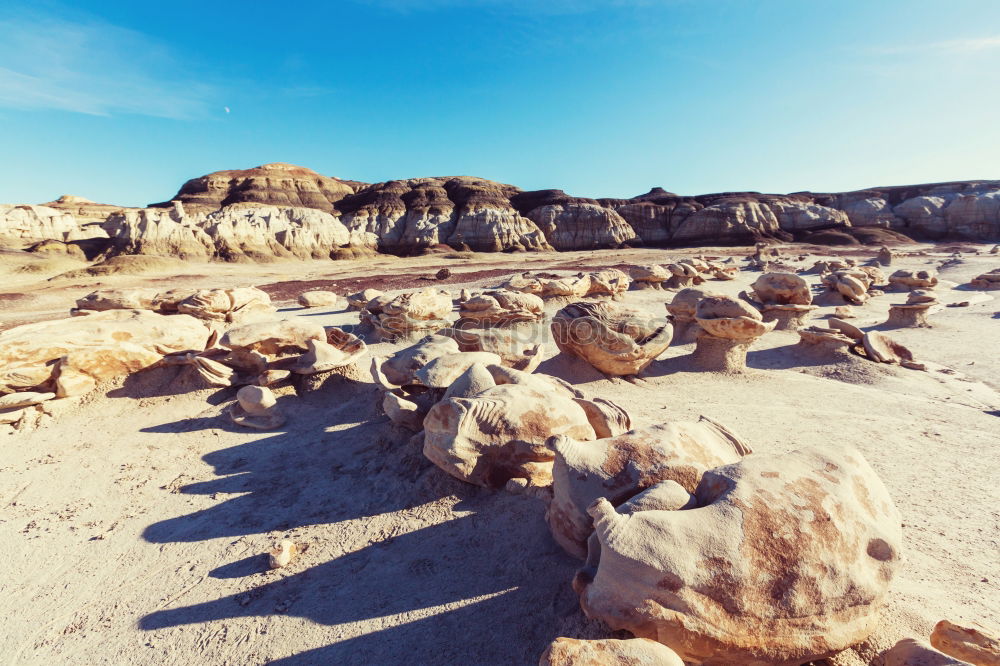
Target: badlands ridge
[280, 210]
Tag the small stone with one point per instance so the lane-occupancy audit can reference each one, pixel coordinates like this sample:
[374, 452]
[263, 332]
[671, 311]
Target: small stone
[282, 554]
[442, 274]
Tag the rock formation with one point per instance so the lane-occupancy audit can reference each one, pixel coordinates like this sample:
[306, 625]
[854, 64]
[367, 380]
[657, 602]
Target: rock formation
[608, 652]
[256, 408]
[990, 280]
[318, 298]
[409, 316]
[358, 300]
[651, 276]
[905, 280]
[500, 308]
[729, 327]
[513, 352]
[786, 559]
[913, 313]
[618, 468]
[783, 298]
[966, 643]
[911, 652]
[616, 340]
[682, 309]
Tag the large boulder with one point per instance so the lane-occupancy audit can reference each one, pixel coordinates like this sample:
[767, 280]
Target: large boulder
[617, 468]
[785, 559]
[608, 652]
[615, 339]
[84, 350]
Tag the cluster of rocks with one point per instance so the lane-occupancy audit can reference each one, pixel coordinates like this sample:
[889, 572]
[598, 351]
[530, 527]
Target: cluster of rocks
[685, 273]
[608, 282]
[990, 280]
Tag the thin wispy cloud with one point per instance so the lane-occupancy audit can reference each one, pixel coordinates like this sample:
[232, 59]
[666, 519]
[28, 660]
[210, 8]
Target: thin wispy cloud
[94, 68]
[967, 45]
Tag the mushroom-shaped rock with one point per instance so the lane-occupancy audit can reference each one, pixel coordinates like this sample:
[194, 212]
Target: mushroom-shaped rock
[880, 348]
[681, 310]
[967, 643]
[617, 468]
[609, 282]
[608, 652]
[118, 299]
[905, 280]
[358, 300]
[286, 337]
[784, 298]
[512, 350]
[318, 298]
[651, 276]
[616, 340]
[786, 559]
[412, 315]
[256, 407]
[239, 305]
[852, 285]
[340, 350]
[990, 280]
[913, 313]
[501, 308]
[729, 327]
[911, 652]
[500, 434]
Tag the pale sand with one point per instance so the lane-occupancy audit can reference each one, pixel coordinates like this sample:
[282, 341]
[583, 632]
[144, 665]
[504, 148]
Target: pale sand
[134, 529]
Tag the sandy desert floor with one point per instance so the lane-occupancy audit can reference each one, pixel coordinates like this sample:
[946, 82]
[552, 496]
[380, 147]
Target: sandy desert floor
[134, 521]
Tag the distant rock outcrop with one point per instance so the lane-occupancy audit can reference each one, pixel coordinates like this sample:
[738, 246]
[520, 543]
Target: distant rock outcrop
[276, 184]
[280, 210]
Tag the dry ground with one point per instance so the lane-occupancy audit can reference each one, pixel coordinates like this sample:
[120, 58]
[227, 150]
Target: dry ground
[134, 522]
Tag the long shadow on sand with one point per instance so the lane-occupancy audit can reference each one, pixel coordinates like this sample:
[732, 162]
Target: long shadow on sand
[494, 568]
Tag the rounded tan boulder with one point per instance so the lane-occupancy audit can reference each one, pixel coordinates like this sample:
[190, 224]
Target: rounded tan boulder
[274, 338]
[318, 299]
[409, 316]
[616, 340]
[608, 652]
[256, 407]
[967, 643]
[500, 308]
[618, 468]
[785, 559]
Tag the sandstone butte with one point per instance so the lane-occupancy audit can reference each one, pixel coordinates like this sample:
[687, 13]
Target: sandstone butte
[280, 210]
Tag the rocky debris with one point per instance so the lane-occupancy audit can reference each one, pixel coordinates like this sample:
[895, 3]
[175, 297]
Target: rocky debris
[905, 280]
[881, 348]
[513, 352]
[651, 276]
[360, 299]
[802, 549]
[831, 344]
[854, 285]
[913, 313]
[784, 298]
[501, 308]
[729, 326]
[256, 407]
[967, 643]
[608, 652]
[340, 350]
[619, 468]
[235, 306]
[69, 356]
[911, 652]
[500, 433]
[409, 316]
[682, 309]
[682, 276]
[119, 299]
[990, 280]
[318, 299]
[281, 555]
[615, 339]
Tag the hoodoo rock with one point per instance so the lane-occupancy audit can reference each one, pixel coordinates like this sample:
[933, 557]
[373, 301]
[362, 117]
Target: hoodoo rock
[615, 339]
[784, 298]
[619, 468]
[784, 560]
[729, 327]
[682, 310]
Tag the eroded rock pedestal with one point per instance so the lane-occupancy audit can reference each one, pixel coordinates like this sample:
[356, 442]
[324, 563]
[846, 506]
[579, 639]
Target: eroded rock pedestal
[729, 327]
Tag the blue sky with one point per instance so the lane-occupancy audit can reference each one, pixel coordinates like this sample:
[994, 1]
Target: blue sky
[121, 102]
